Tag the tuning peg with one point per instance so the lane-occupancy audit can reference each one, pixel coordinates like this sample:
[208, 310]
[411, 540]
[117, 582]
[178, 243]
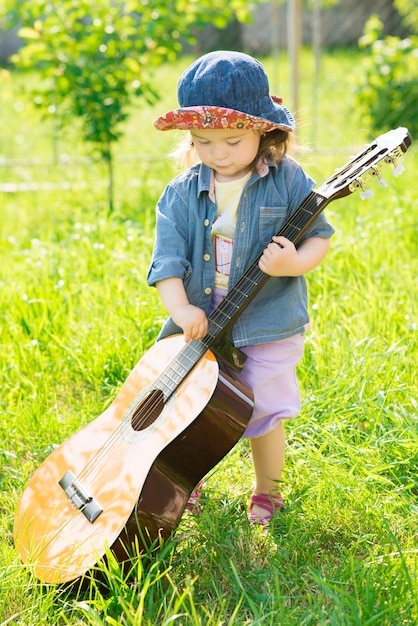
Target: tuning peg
[366, 194]
[393, 159]
[376, 171]
[398, 170]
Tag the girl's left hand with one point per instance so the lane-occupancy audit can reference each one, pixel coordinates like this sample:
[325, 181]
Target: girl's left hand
[280, 258]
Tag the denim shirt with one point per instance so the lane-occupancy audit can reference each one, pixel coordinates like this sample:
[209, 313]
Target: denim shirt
[183, 246]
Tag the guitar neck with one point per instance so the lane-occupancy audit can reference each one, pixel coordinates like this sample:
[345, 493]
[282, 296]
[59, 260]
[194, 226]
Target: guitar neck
[250, 283]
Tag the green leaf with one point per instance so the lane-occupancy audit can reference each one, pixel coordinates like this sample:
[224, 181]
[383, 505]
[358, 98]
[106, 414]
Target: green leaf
[28, 33]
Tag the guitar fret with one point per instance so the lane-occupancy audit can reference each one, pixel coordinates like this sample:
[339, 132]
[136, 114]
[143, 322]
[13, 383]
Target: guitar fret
[182, 364]
[219, 325]
[291, 230]
[252, 282]
[170, 379]
[196, 348]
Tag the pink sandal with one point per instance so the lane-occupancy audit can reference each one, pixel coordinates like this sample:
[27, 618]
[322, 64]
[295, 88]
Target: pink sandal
[269, 503]
[193, 505]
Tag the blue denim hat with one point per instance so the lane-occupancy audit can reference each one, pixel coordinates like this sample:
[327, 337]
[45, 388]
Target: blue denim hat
[225, 89]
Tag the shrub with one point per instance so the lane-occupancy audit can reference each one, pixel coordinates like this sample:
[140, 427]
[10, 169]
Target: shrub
[386, 87]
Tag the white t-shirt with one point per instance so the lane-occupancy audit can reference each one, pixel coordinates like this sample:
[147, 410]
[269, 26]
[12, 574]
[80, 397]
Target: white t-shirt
[223, 228]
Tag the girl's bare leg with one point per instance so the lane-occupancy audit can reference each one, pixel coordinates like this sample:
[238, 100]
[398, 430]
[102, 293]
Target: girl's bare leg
[268, 453]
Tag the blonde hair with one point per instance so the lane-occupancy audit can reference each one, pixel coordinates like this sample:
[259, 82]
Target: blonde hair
[274, 145]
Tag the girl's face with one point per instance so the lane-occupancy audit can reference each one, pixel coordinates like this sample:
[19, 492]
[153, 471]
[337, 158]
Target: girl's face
[229, 153]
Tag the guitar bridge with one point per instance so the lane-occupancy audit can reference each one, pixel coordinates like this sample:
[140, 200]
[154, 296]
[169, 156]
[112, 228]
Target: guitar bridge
[79, 497]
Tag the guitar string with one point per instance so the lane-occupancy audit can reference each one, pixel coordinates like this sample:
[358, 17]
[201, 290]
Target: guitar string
[169, 380]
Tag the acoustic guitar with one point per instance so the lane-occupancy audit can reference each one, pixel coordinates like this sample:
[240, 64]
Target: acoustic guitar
[122, 482]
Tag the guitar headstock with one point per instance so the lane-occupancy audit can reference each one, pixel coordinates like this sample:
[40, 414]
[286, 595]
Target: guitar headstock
[355, 175]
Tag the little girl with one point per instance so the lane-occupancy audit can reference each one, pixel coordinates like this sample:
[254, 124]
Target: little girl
[214, 219]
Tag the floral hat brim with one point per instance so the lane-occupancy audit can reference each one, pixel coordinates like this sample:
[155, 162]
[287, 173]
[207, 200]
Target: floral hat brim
[214, 117]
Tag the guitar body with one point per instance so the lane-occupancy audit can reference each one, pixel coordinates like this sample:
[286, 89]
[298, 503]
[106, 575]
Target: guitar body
[123, 481]
[135, 474]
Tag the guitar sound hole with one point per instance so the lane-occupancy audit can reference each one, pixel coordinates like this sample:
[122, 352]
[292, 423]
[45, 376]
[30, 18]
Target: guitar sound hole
[148, 410]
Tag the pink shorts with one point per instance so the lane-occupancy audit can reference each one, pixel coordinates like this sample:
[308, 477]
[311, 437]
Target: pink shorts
[270, 371]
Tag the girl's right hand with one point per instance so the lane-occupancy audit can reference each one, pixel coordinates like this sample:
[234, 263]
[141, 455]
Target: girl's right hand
[191, 320]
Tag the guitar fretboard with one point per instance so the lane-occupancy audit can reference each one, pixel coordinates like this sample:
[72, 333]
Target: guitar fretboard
[238, 298]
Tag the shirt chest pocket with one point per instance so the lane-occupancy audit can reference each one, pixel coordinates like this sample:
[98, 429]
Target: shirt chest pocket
[270, 221]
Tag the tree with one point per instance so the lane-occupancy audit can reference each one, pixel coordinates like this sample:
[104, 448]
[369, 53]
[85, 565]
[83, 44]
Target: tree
[95, 56]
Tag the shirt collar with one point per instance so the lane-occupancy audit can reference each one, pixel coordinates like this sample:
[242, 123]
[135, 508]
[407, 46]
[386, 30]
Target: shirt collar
[207, 177]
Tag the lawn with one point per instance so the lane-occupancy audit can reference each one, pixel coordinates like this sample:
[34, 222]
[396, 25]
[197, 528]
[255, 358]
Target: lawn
[76, 315]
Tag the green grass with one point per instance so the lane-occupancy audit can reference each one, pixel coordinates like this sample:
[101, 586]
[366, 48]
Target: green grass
[75, 316]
